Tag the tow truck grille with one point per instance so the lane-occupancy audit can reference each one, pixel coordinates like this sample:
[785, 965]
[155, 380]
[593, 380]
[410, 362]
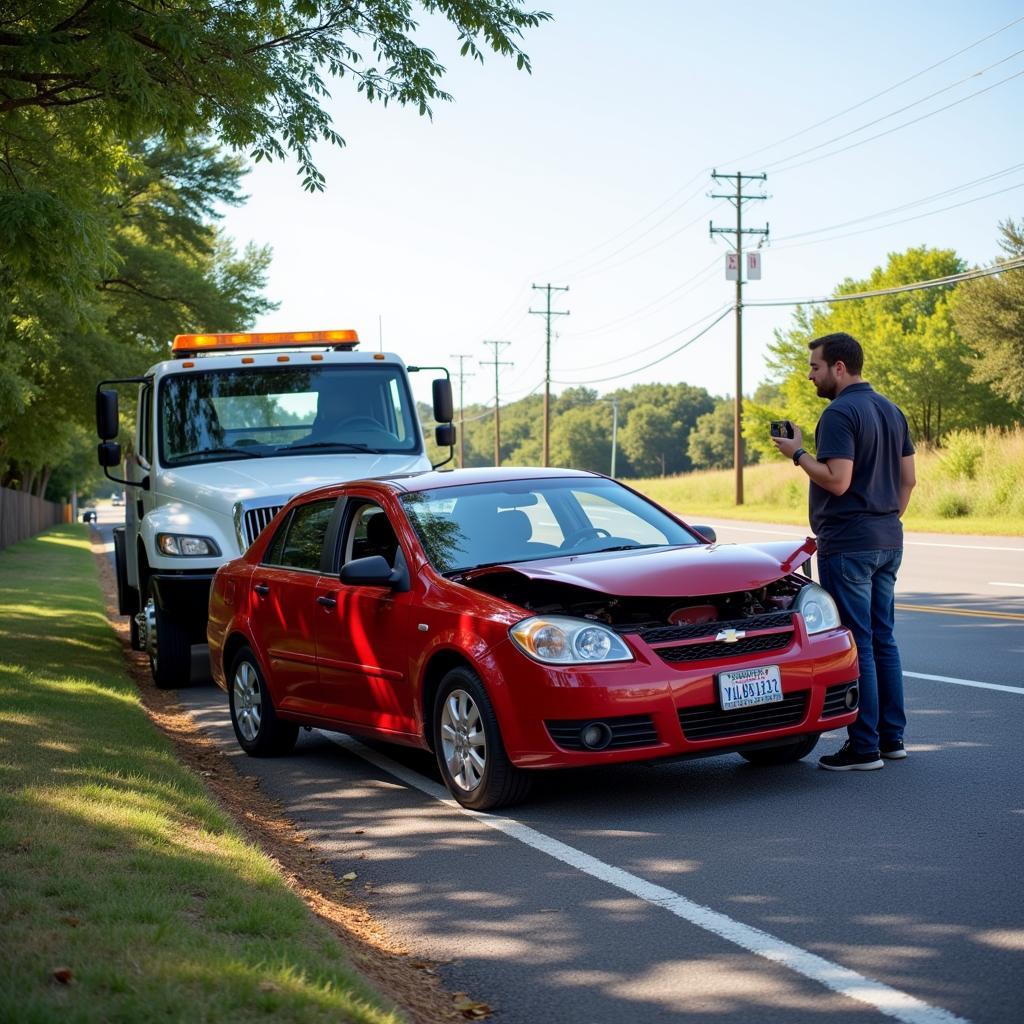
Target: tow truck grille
[256, 520]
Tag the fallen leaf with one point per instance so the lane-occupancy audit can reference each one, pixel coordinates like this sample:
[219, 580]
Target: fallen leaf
[358, 831]
[63, 975]
[469, 1008]
[268, 986]
[349, 876]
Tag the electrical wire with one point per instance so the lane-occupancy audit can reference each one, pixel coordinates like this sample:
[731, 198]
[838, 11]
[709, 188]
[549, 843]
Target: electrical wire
[903, 206]
[646, 348]
[904, 220]
[680, 290]
[639, 369]
[893, 113]
[900, 127]
[877, 95]
[936, 282]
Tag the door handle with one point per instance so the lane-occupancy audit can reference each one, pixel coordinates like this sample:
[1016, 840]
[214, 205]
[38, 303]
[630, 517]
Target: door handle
[262, 589]
[327, 601]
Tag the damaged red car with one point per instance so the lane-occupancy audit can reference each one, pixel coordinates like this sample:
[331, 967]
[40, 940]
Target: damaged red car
[520, 620]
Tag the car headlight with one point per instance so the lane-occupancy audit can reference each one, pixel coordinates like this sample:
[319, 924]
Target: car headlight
[182, 545]
[817, 607]
[559, 640]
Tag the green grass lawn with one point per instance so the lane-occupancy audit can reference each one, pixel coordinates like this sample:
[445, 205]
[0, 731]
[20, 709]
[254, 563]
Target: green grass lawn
[115, 863]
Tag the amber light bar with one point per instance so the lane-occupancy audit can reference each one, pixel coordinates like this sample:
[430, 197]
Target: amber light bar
[190, 344]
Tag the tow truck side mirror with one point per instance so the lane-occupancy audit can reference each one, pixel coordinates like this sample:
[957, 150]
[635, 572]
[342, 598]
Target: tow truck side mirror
[109, 454]
[444, 435]
[444, 409]
[107, 419]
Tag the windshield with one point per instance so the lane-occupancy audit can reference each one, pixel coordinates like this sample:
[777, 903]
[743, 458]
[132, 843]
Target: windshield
[289, 410]
[484, 524]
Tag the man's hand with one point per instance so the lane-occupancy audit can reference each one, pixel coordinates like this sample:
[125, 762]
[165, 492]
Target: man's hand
[788, 445]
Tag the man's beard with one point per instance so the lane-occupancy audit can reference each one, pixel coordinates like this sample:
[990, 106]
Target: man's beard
[827, 390]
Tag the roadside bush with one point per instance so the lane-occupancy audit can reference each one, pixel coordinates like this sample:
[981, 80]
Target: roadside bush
[953, 506]
[961, 454]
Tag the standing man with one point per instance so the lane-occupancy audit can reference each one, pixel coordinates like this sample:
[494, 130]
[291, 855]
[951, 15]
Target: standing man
[860, 487]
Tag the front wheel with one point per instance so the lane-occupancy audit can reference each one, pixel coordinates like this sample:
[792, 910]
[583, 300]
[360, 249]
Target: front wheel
[260, 733]
[468, 745]
[785, 753]
[167, 644]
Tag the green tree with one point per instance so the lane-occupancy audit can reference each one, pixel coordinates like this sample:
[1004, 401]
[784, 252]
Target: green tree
[581, 438]
[710, 445]
[656, 421]
[989, 312]
[913, 354]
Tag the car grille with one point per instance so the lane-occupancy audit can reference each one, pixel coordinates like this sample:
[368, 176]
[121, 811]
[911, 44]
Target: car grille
[628, 731]
[256, 520]
[674, 644]
[710, 722]
[835, 700]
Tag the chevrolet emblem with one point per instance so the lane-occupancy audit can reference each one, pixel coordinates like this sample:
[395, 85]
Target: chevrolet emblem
[730, 636]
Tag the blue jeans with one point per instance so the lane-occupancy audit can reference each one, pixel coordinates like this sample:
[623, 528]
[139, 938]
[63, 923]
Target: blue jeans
[863, 584]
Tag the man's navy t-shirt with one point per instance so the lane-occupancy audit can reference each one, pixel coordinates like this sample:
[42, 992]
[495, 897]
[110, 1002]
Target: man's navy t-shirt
[863, 426]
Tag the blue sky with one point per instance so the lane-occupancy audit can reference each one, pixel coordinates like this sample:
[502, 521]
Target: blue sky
[594, 173]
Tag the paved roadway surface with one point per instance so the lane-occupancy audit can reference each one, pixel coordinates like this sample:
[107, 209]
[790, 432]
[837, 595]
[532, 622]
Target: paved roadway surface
[710, 890]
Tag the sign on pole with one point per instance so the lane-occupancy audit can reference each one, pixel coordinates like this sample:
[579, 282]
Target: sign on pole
[753, 266]
[732, 266]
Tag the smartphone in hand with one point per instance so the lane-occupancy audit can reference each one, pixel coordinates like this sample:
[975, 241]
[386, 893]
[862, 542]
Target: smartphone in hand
[782, 428]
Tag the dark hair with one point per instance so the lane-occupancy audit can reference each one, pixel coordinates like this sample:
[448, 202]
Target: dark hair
[840, 348]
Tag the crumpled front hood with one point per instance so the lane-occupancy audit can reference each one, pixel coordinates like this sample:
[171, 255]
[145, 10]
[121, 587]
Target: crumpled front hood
[667, 572]
[217, 486]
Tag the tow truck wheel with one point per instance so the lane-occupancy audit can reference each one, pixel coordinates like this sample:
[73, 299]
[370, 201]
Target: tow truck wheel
[166, 643]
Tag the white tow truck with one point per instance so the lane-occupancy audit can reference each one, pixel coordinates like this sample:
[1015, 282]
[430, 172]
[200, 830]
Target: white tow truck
[227, 431]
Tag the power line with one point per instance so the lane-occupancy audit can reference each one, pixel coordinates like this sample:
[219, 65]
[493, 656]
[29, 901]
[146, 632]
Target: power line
[903, 206]
[899, 127]
[639, 369]
[877, 95]
[893, 113]
[905, 220]
[936, 282]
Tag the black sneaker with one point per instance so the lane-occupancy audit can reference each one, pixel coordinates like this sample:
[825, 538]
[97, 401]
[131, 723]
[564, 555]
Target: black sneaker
[846, 759]
[892, 750]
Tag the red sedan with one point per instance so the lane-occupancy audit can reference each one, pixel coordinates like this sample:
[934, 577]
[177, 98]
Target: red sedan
[522, 619]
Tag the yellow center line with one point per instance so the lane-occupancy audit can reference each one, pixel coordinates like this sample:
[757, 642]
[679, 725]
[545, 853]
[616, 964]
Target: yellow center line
[959, 611]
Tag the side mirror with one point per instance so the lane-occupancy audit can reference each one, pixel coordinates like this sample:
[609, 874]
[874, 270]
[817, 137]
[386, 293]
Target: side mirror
[444, 408]
[107, 419]
[109, 453]
[707, 532]
[444, 435]
[371, 571]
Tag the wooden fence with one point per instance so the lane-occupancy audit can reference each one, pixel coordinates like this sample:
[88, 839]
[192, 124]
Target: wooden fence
[24, 515]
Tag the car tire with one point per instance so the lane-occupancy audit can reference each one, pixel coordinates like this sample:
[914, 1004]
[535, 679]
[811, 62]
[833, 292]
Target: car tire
[260, 733]
[784, 753]
[167, 644]
[467, 742]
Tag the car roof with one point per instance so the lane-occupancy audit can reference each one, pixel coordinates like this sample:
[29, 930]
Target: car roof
[430, 480]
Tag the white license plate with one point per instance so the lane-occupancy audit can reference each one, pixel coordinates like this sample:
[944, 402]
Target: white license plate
[745, 687]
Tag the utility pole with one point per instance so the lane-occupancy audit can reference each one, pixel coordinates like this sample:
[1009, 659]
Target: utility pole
[462, 376]
[498, 346]
[738, 199]
[549, 313]
[614, 400]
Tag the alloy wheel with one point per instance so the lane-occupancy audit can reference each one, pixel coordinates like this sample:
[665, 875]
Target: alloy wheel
[248, 701]
[463, 740]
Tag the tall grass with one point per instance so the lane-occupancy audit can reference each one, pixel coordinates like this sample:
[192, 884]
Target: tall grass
[974, 483]
[125, 893]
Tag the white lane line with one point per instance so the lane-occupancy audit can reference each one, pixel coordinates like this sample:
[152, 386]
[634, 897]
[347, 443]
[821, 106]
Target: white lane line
[965, 682]
[906, 543]
[889, 1001]
[1003, 583]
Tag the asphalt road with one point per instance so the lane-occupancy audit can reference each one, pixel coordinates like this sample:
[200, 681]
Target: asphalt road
[711, 890]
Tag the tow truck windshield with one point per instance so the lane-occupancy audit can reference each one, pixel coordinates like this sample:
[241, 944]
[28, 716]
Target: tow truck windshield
[209, 415]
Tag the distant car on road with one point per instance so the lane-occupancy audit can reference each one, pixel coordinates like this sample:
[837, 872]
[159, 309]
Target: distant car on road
[117, 499]
[89, 515]
[523, 619]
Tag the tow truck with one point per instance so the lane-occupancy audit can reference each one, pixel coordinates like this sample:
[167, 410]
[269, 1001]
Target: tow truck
[227, 431]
